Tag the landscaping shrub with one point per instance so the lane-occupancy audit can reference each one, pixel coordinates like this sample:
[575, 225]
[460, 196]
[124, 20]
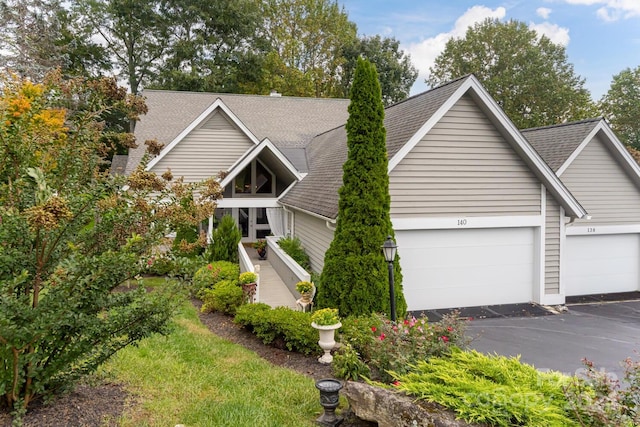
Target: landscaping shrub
[207, 276]
[293, 247]
[169, 265]
[386, 346]
[225, 297]
[224, 241]
[355, 273]
[348, 365]
[187, 242]
[600, 400]
[496, 390]
[281, 323]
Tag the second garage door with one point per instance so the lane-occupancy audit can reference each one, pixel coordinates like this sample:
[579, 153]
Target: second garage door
[463, 268]
[604, 263]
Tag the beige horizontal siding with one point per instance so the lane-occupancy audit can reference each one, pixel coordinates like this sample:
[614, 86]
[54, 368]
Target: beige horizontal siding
[210, 148]
[602, 187]
[315, 237]
[552, 247]
[463, 166]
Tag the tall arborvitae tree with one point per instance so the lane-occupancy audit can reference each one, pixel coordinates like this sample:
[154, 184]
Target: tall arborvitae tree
[355, 275]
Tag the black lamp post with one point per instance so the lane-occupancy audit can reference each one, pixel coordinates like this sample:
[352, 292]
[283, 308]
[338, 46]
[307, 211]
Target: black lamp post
[389, 249]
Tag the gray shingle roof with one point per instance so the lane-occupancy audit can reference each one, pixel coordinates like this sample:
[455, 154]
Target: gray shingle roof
[555, 144]
[318, 191]
[288, 122]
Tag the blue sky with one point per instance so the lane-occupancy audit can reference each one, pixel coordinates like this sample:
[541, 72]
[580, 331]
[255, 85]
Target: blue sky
[602, 37]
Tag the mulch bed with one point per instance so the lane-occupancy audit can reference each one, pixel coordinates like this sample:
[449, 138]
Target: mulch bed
[102, 405]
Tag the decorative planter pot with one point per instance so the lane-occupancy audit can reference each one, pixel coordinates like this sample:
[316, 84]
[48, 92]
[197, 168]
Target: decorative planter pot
[262, 253]
[249, 290]
[305, 297]
[329, 399]
[327, 341]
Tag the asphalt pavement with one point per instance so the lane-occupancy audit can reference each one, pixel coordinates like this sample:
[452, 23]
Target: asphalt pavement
[605, 333]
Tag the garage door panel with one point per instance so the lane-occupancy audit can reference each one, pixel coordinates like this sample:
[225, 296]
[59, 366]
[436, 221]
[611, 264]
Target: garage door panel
[458, 268]
[602, 264]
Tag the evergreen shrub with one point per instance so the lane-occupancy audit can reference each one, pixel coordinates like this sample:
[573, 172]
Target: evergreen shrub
[225, 297]
[224, 241]
[355, 276]
[494, 390]
[281, 324]
[212, 273]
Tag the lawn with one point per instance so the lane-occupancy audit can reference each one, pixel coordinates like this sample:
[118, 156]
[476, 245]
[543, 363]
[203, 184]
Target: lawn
[195, 378]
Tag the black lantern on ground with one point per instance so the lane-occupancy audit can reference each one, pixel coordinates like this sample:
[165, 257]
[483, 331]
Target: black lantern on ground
[389, 249]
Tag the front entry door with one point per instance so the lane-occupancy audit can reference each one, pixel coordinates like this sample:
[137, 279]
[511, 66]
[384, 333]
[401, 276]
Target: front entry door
[252, 222]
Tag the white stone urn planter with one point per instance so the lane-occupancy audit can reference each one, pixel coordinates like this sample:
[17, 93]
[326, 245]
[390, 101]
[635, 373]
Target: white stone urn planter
[327, 340]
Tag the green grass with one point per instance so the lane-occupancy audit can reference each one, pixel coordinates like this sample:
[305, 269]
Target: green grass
[194, 378]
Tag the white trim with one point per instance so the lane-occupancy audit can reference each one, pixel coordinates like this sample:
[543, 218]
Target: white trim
[201, 118]
[563, 240]
[313, 214]
[246, 202]
[602, 229]
[471, 83]
[253, 154]
[461, 222]
[552, 299]
[540, 274]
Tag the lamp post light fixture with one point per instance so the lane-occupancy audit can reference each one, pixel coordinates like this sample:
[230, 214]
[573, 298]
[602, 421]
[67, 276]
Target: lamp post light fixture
[390, 249]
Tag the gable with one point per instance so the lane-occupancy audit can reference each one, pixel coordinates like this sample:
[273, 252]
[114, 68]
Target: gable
[212, 146]
[463, 166]
[603, 187]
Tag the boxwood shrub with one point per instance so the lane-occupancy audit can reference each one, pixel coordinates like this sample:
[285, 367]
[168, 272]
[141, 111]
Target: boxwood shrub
[281, 323]
[226, 296]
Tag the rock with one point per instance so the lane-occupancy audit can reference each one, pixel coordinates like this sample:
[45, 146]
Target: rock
[392, 409]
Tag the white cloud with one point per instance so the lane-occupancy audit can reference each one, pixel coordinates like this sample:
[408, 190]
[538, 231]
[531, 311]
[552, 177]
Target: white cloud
[612, 10]
[424, 53]
[556, 34]
[543, 12]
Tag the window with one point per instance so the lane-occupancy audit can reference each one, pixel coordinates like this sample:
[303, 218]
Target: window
[254, 179]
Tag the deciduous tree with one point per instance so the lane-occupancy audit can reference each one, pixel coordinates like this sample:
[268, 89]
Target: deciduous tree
[525, 72]
[621, 105]
[70, 236]
[395, 70]
[354, 278]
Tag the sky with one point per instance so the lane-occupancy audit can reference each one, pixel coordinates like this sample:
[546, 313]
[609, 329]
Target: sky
[601, 37]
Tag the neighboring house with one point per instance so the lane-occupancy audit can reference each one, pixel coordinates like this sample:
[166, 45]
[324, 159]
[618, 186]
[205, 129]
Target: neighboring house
[601, 254]
[479, 216]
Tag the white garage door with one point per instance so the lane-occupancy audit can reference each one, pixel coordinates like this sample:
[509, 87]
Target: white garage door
[463, 268]
[602, 263]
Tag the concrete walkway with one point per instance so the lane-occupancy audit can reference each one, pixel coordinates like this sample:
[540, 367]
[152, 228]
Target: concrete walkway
[272, 289]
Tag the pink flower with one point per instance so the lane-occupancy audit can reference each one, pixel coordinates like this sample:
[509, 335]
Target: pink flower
[396, 383]
[373, 329]
[449, 328]
[382, 336]
[406, 322]
[209, 267]
[149, 262]
[444, 338]
[395, 328]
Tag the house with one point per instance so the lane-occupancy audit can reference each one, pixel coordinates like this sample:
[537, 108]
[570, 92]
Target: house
[479, 216]
[601, 253]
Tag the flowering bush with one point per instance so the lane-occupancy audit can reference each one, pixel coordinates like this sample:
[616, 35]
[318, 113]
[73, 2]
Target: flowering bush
[207, 276]
[385, 346]
[599, 399]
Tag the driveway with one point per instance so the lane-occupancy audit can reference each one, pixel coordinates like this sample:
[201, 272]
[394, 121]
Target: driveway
[605, 333]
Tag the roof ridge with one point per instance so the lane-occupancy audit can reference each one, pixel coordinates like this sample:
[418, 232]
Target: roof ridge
[577, 122]
[253, 95]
